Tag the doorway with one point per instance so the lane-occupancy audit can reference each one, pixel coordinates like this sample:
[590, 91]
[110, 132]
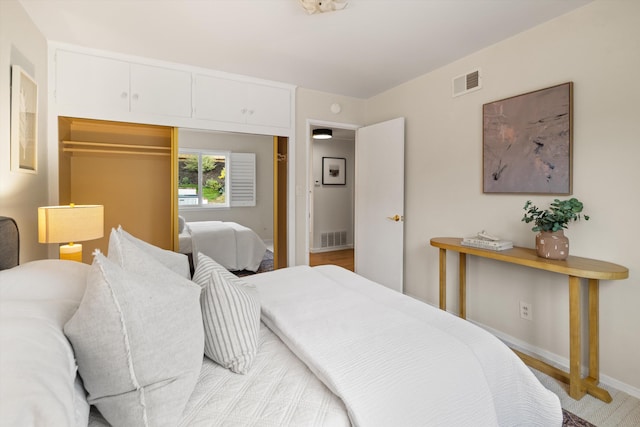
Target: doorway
[378, 199]
[331, 196]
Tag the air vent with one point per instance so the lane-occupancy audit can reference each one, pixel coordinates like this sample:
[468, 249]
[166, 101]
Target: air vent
[466, 83]
[333, 239]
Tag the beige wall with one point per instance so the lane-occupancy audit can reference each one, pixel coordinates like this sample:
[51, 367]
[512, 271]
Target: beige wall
[598, 48]
[21, 43]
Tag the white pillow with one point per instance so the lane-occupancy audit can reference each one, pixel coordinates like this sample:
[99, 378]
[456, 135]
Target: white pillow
[181, 222]
[138, 340]
[38, 381]
[231, 316]
[175, 261]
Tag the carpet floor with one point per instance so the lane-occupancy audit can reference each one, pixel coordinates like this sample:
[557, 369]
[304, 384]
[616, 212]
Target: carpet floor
[623, 411]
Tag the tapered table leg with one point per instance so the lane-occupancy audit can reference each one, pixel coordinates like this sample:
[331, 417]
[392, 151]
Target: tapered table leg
[463, 285]
[576, 387]
[443, 279]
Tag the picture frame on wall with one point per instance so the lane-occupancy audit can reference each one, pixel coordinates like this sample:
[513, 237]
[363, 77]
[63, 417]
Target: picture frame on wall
[24, 121]
[527, 142]
[334, 171]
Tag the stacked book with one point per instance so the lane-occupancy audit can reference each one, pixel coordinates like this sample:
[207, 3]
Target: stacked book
[494, 245]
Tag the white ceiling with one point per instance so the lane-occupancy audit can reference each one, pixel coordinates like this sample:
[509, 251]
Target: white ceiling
[363, 50]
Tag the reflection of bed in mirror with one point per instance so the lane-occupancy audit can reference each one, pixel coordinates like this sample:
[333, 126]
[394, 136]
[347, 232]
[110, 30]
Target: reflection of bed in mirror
[232, 245]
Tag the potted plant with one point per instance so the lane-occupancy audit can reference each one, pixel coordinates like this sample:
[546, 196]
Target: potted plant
[550, 224]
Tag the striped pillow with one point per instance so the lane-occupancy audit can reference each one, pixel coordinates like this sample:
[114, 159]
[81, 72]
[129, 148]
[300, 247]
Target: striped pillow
[231, 316]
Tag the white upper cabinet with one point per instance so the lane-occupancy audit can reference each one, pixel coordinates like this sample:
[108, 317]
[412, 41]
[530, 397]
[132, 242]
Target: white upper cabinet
[241, 102]
[95, 86]
[91, 83]
[108, 86]
[159, 90]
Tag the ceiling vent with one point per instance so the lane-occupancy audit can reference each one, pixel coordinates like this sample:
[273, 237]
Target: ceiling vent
[466, 83]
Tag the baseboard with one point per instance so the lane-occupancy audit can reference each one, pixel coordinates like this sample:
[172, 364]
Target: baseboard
[548, 357]
[331, 249]
[556, 360]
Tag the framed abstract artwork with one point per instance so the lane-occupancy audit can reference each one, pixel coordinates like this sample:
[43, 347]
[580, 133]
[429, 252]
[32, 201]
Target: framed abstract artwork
[527, 142]
[24, 121]
[334, 171]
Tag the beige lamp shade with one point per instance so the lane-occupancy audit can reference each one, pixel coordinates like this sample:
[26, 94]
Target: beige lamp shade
[72, 223]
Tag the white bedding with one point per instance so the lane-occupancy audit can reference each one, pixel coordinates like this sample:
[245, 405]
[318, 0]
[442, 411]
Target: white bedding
[279, 390]
[350, 351]
[232, 245]
[396, 361]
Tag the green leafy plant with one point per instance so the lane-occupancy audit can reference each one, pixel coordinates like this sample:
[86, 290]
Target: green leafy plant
[556, 217]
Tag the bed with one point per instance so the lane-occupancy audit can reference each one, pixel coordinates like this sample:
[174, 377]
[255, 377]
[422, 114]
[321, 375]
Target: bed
[299, 346]
[233, 245]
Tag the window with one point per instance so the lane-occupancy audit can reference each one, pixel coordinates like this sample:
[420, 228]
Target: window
[202, 178]
[216, 179]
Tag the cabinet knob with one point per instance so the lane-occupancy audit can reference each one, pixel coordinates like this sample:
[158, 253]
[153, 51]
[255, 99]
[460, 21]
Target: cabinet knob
[250, 112]
[243, 111]
[135, 97]
[124, 95]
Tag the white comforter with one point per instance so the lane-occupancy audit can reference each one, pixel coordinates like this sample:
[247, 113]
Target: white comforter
[396, 361]
[278, 390]
[232, 245]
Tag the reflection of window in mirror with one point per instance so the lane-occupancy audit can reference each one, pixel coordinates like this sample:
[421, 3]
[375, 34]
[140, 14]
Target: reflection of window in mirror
[216, 178]
[202, 178]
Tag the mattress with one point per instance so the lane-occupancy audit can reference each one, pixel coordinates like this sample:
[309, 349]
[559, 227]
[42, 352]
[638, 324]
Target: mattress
[394, 360]
[184, 241]
[230, 244]
[279, 390]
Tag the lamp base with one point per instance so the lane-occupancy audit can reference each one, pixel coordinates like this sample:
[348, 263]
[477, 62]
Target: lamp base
[71, 252]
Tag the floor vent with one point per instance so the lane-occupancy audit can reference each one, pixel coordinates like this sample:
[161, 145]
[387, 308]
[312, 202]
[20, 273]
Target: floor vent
[466, 83]
[333, 239]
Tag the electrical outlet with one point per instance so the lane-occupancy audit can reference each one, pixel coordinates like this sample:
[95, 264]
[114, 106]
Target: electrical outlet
[526, 310]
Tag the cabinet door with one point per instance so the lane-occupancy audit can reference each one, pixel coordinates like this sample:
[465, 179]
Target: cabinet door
[269, 106]
[219, 99]
[157, 90]
[90, 84]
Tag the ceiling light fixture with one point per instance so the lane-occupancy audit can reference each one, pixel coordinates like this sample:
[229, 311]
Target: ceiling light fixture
[320, 6]
[322, 133]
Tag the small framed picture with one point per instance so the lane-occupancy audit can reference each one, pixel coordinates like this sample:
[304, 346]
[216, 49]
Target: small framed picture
[334, 171]
[24, 121]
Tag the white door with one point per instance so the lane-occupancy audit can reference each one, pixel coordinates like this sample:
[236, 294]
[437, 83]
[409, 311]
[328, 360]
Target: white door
[379, 203]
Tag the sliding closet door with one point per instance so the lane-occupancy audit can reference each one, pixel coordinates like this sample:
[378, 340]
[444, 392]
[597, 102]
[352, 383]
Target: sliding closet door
[280, 159]
[127, 168]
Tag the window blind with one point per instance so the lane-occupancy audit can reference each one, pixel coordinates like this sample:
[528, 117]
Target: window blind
[243, 179]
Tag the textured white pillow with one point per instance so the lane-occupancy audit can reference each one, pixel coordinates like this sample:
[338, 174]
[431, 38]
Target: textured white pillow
[231, 316]
[38, 381]
[176, 262]
[181, 222]
[138, 340]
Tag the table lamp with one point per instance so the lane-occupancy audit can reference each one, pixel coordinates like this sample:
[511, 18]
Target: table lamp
[72, 223]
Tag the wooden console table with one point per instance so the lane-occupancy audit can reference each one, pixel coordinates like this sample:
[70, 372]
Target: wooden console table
[575, 268]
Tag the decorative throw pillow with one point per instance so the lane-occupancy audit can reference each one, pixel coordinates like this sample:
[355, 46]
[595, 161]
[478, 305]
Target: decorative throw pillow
[38, 380]
[181, 223]
[138, 341]
[231, 316]
[176, 262]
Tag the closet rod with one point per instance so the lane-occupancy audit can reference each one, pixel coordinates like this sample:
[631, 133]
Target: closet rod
[109, 144]
[89, 150]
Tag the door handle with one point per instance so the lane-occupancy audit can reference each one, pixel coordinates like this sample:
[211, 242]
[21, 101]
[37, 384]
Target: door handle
[396, 218]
